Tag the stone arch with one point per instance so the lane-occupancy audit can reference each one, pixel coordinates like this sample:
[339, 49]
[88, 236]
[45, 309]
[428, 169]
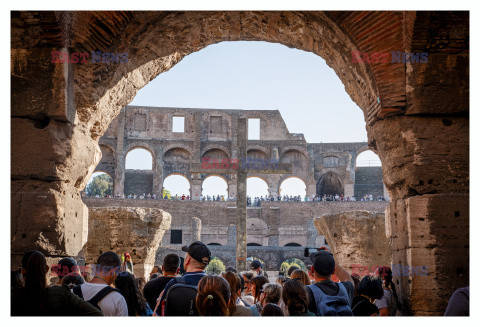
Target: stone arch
[287, 177]
[298, 159]
[330, 183]
[216, 147]
[216, 152]
[261, 178]
[359, 155]
[180, 192]
[109, 161]
[176, 160]
[292, 244]
[141, 146]
[215, 175]
[257, 152]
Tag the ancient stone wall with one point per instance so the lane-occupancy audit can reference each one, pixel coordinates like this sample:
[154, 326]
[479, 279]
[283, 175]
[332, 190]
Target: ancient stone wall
[325, 168]
[368, 180]
[138, 231]
[357, 239]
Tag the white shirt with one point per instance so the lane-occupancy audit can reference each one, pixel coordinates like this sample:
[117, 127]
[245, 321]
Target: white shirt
[113, 304]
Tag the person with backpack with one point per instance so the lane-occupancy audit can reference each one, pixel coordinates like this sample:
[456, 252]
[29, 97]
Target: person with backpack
[36, 299]
[326, 297]
[154, 287]
[179, 296]
[389, 303]
[99, 292]
[369, 290]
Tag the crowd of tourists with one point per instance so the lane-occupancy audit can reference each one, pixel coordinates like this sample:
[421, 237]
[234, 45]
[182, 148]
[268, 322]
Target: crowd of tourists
[181, 287]
[255, 202]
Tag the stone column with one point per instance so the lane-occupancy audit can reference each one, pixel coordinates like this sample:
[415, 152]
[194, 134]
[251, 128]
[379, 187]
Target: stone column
[232, 187]
[53, 155]
[158, 174]
[196, 227]
[273, 223]
[118, 185]
[196, 187]
[349, 190]
[241, 247]
[311, 190]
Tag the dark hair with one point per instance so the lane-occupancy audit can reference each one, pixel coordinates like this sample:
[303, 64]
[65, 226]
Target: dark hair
[25, 258]
[72, 279]
[242, 281]
[301, 276]
[295, 297]
[35, 283]
[281, 280]
[128, 287]
[213, 296]
[292, 269]
[247, 276]
[182, 268]
[356, 281]
[155, 275]
[386, 274]
[140, 283]
[271, 309]
[235, 285]
[231, 269]
[370, 286]
[171, 262]
[109, 259]
[273, 292]
[258, 282]
[67, 263]
[16, 279]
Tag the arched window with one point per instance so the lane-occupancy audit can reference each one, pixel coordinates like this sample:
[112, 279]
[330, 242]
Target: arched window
[368, 159]
[100, 184]
[329, 184]
[176, 185]
[215, 185]
[139, 159]
[293, 186]
[253, 244]
[256, 187]
[292, 244]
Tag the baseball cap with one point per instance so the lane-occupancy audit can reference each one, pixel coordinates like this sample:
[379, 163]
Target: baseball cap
[198, 251]
[323, 262]
[255, 264]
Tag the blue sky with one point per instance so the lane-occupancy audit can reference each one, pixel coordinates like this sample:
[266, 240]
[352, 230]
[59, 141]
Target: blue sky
[261, 76]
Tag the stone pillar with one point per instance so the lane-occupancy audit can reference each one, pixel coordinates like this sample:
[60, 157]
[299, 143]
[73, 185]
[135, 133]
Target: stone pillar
[273, 223]
[119, 183]
[138, 231]
[311, 190]
[386, 195]
[158, 174]
[241, 246]
[348, 190]
[196, 187]
[426, 170]
[196, 228]
[232, 187]
[357, 239]
[53, 155]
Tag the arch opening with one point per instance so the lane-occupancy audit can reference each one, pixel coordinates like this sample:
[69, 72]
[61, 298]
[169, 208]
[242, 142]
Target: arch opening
[293, 186]
[139, 158]
[256, 187]
[215, 185]
[368, 158]
[330, 184]
[99, 185]
[176, 186]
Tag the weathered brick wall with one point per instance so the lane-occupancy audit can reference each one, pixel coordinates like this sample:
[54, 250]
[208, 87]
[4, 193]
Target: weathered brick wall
[138, 182]
[368, 180]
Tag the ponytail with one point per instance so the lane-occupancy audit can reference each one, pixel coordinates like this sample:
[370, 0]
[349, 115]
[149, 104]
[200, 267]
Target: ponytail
[213, 296]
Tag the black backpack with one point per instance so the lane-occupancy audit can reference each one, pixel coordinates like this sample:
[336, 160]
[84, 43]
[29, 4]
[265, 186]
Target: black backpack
[77, 290]
[180, 299]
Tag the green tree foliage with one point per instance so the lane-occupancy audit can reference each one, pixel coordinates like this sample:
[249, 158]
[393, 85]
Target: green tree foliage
[291, 262]
[101, 185]
[215, 266]
[167, 193]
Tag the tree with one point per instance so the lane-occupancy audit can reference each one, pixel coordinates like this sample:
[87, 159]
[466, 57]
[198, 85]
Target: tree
[101, 185]
[291, 262]
[167, 193]
[215, 266]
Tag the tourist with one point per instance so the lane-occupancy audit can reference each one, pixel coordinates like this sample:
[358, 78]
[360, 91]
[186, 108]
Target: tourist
[141, 283]
[197, 258]
[301, 276]
[256, 289]
[170, 269]
[291, 269]
[256, 267]
[247, 296]
[389, 303]
[36, 299]
[235, 305]
[213, 296]
[295, 297]
[72, 279]
[325, 290]
[272, 293]
[458, 305]
[99, 289]
[128, 287]
[231, 269]
[64, 267]
[369, 290]
[281, 280]
[272, 310]
[155, 270]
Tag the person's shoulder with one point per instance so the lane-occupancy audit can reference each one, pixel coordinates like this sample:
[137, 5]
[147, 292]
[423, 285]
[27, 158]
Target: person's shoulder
[241, 310]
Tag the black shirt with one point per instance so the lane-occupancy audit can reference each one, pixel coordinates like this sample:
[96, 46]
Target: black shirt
[328, 287]
[361, 306]
[153, 288]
